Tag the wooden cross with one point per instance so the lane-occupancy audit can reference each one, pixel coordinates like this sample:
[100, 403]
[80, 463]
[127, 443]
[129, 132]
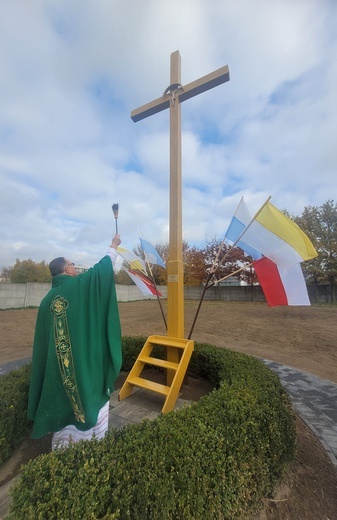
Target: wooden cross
[173, 96]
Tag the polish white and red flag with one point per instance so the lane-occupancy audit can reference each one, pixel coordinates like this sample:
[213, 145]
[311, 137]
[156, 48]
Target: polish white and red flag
[143, 282]
[277, 246]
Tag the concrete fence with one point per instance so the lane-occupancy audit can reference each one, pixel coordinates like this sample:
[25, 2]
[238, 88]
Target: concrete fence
[18, 295]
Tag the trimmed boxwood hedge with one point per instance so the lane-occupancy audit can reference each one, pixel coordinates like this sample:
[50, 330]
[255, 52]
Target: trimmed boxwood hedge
[215, 459]
[14, 425]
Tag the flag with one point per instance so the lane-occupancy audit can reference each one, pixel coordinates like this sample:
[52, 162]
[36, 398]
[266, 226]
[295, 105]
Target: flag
[281, 286]
[143, 282]
[236, 227]
[286, 229]
[134, 261]
[151, 253]
[278, 237]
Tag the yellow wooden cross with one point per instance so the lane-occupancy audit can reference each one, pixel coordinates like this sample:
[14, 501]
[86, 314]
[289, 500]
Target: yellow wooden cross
[178, 349]
[173, 96]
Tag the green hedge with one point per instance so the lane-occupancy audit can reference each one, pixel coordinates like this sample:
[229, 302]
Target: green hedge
[14, 387]
[14, 425]
[216, 459]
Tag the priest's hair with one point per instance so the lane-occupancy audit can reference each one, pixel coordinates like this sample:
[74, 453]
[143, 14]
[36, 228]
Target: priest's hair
[57, 265]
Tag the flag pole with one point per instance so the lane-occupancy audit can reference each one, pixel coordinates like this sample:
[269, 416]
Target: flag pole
[129, 262]
[251, 222]
[210, 274]
[229, 275]
[213, 271]
[154, 283]
[244, 231]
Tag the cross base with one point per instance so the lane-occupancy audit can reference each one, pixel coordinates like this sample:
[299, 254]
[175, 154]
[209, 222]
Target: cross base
[178, 369]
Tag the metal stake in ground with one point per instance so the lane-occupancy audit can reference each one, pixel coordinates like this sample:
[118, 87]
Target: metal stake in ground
[115, 212]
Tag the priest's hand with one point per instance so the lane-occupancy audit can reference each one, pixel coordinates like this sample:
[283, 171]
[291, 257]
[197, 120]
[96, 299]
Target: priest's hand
[115, 241]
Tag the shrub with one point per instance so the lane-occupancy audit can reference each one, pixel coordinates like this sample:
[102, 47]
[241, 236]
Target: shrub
[131, 347]
[14, 425]
[215, 459]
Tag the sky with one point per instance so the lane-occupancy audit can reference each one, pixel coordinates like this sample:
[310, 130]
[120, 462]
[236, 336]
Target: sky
[71, 72]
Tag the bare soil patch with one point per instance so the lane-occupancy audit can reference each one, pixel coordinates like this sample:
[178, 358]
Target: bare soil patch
[301, 337]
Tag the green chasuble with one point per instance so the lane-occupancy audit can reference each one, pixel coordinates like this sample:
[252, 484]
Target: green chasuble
[77, 351]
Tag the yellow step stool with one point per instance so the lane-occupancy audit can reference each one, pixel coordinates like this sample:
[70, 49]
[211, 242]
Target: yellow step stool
[176, 370]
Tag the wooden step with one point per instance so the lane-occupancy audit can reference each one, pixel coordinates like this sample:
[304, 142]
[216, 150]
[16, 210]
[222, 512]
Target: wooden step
[158, 362]
[149, 385]
[175, 366]
[168, 342]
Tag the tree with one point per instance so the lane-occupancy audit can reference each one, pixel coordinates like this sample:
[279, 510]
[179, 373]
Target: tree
[198, 262]
[159, 273]
[229, 260]
[193, 263]
[29, 271]
[122, 278]
[320, 224]
[5, 276]
[194, 266]
[328, 246]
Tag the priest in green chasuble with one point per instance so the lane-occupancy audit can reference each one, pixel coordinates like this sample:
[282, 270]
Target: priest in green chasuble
[77, 352]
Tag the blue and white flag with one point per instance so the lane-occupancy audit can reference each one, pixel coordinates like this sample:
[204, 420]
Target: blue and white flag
[151, 252]
[236, 227]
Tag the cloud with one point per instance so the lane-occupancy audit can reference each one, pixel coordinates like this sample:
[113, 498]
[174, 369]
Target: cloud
[72, 72]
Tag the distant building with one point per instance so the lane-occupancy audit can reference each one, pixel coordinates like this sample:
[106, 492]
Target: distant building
[81, 269]
[232, 280]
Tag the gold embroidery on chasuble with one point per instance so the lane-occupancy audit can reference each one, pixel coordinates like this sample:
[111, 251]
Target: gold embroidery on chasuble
[64, 355]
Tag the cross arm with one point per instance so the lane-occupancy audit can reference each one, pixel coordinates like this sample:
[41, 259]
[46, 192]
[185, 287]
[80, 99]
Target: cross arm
[190, 90]
[155, 106]
[205, 83]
